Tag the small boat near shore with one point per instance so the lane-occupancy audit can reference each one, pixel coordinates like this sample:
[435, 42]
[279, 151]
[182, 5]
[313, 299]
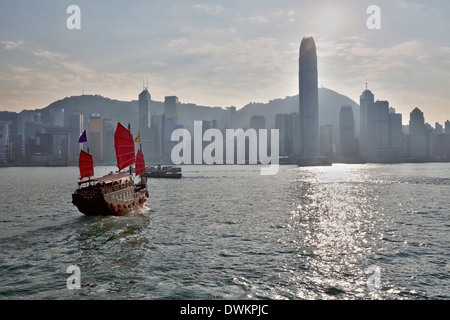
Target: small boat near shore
[114, 194]
[167, 172]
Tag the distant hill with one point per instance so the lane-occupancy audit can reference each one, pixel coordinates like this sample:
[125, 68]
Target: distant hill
[330, 103]
[126, 112]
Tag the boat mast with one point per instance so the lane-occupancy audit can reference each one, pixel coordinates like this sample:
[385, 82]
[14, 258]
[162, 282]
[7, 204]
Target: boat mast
[89, 178]
[129, 130]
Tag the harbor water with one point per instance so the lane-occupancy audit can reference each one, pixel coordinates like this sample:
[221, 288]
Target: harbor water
[363, 231]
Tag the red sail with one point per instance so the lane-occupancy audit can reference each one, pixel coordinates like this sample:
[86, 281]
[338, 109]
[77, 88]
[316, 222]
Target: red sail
[124, 145]
[86, 165]
[140, 163]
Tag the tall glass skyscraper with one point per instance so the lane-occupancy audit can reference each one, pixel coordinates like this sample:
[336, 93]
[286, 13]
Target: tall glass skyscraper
[346, 131]
[171, 106]
[145, 120]
[309, 99]
[366, 102]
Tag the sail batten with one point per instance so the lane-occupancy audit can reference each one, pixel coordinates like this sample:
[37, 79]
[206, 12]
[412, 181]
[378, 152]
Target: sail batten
[124, 145]
[86, 165]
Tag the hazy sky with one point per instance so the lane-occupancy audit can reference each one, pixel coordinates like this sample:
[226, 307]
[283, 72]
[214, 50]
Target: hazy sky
[224, 53]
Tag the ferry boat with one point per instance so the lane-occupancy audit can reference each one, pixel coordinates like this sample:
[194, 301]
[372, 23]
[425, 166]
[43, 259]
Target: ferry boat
[115, 193]
[162, 172]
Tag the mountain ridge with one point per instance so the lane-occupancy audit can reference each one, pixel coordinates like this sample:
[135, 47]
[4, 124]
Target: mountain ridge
[330, 103]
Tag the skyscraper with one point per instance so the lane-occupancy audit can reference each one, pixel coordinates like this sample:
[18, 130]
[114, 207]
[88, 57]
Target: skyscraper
[24, 117]
[171, 106]
[366, 101]
[395, 135]
[95, 136]
[145, 119]
[5, 143]
[258, 122]
[326, 140]
[417, 141]
[347, 131]
[438, 129]
[75, 130]
[232, 117]
[56, 117]
[416, 122]
[381, 121]
[309, 99]
[147, 134]
[289, 133]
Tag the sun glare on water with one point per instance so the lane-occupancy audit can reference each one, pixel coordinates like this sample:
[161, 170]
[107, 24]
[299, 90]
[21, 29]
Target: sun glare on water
[329, 20]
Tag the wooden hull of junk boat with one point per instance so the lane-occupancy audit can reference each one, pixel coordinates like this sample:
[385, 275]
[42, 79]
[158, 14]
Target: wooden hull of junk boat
[98, 202]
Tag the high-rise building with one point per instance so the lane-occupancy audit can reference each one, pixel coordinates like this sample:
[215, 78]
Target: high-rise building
[167, 130]
[171, 106]
[438, 129]
[309, 99]
[108, 141]
[95, 137]
[75, 130]
[232, 117]
[56, 117]
[5, 141]
[170, 123]
[374, 136]
[395, 134]
[326, 140]
[294, 119]
[417, 122]
[280, 124]
[206, 125]
[346, 131]
[24, 118]
[366, 101]
[53, 141]
[32, 139]
[289, 134]
[145, 119]
[158, 127]
[381, 120]
[147, 135]
[258, 122]
[447, 127]
[418, 145]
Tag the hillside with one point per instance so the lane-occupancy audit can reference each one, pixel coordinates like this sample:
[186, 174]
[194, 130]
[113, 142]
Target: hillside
[330, 103]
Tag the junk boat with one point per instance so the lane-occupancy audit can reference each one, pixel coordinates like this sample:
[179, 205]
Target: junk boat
[162, 172]
[114, 194]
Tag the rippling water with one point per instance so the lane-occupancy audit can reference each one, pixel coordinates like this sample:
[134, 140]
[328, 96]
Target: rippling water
[226, 232]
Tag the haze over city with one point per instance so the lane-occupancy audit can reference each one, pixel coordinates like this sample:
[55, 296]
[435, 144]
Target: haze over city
[224, 53]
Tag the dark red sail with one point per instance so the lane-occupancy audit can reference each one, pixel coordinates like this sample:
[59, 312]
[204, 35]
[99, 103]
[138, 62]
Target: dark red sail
[124, 145]
[86, 165]
[140, 163]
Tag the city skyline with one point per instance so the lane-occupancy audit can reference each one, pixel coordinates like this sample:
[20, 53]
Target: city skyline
[217, 54]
